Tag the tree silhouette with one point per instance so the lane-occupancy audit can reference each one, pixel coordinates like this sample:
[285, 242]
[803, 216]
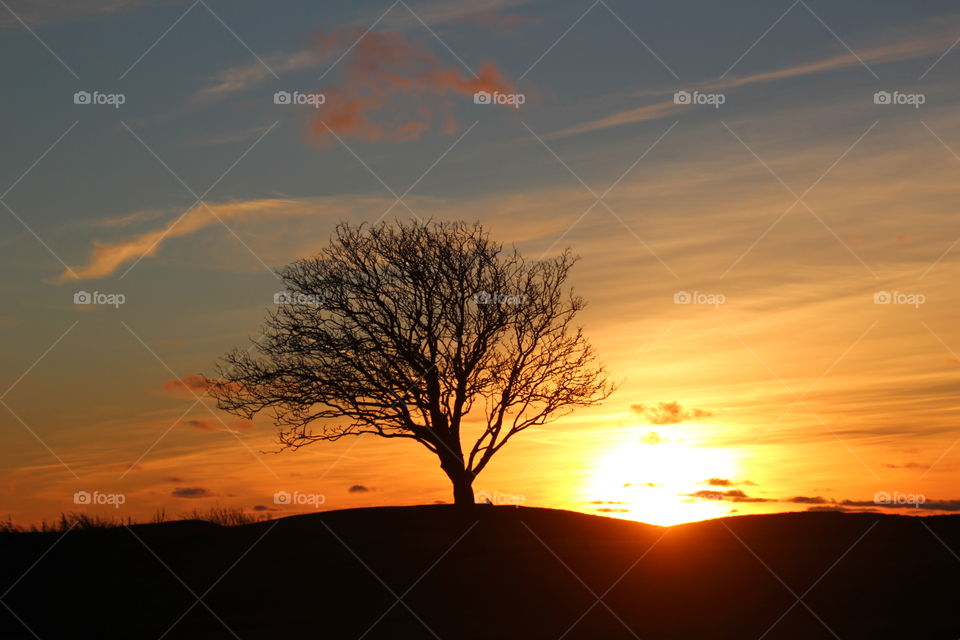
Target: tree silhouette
[421, 330]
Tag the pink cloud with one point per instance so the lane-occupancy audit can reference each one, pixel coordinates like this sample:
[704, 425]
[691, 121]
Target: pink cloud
[394, 90]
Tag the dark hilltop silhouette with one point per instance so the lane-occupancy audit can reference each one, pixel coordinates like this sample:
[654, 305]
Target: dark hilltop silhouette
[500, 572]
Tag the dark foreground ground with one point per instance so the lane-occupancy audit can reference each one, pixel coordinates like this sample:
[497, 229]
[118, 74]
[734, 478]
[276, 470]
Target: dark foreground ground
[505, 573]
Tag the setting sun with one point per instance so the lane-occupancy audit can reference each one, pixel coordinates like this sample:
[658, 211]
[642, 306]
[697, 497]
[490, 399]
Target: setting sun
[649, 480]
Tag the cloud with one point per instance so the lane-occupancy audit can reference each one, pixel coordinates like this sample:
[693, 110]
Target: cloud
[640, 114]
[718, 482]
[137, 217]
[212, 424]
[107, 258]
[652, 437]
[668, 413]
[394, 90]
[485, 13]
[253, 74]
[612, 510]
[808, 500]
[263, 507]
[928, 505]
[828, 504]
[907, 465]
[41, 13]
[733, 495]
[194, 384]
[358, 488]
[819, 503]
[191, 492]
[911, 47]
[444, 13]
[837, 509]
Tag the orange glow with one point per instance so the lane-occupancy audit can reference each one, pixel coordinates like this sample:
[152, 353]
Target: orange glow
[647, 481]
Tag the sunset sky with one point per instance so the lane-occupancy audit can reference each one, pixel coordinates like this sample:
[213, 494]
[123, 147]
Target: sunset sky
[810, 222]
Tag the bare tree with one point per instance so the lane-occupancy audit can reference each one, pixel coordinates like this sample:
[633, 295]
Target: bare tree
[419, 330]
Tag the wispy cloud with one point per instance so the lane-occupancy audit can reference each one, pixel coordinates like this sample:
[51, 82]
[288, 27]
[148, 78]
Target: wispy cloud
[445, 12]
[41, 13]
[228, 137]
[107, 258]
[915, 46]
[210, 424]
[253, 74]
[640, 114]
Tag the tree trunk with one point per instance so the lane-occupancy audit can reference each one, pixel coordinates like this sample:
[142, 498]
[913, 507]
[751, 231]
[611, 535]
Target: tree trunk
[462, 483]
[463, 490]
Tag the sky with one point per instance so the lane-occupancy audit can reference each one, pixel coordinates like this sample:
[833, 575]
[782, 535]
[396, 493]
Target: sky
[763, 196]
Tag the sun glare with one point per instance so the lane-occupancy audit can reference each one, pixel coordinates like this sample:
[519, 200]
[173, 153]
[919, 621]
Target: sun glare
[651, 482]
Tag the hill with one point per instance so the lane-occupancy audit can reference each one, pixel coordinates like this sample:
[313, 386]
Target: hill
[428, 572]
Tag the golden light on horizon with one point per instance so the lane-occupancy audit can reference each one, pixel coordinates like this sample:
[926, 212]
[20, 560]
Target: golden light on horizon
[649, 479]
